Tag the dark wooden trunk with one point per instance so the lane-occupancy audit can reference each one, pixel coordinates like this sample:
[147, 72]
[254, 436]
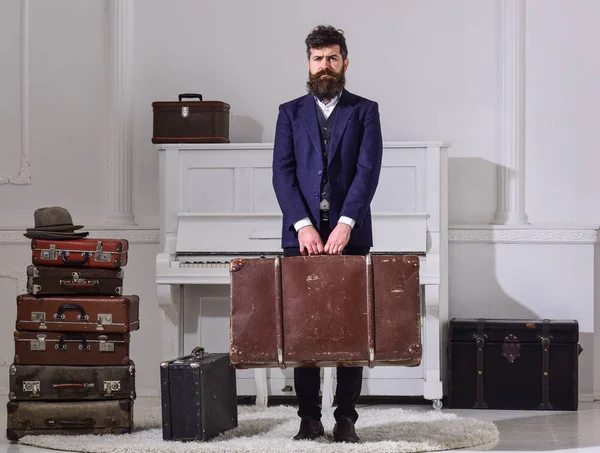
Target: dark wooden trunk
[513, 364]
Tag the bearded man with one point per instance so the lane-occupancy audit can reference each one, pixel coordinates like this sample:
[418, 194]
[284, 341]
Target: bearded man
[326, 165]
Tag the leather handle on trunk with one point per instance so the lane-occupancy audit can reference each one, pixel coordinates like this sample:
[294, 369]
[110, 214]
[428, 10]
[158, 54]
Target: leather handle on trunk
[63, 338]
[68, 386]
[63, 255]
[63, 307]
[189, 95]
[78, 286]
[86, 422]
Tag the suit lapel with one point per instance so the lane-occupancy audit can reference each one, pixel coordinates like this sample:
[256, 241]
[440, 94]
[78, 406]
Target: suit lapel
[309, 115]
[345, 108]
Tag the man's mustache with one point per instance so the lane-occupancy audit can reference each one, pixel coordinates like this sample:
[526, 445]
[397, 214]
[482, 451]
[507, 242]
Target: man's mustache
[326, 71]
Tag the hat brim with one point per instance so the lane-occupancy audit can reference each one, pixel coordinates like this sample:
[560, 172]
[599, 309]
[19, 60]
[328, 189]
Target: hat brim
[55, 236]
[56, 228]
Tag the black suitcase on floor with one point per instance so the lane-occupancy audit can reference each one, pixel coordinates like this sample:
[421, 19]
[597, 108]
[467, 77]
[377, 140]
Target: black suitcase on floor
[513, 364]
[198, 396]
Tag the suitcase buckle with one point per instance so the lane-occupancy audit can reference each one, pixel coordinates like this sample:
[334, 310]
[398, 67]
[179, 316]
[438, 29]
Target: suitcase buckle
[100, 256]
[105, 346]
[39, 316]
[103, 319]
[185, 112]
[39, 344]
[511, 348]
[111, 386]
[49, 254]
[32, 387]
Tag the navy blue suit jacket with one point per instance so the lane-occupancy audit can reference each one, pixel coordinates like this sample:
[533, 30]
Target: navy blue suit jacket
[354, 164]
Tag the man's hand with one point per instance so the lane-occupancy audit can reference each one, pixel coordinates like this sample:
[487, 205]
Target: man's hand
[310, 241]
[338, 239]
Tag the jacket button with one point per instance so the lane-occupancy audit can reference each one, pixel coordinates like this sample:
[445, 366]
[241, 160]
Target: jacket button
[320, 172]
[316, 196]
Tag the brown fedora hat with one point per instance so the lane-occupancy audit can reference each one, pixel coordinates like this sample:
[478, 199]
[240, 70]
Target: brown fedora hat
[52, 235]
[53, 222]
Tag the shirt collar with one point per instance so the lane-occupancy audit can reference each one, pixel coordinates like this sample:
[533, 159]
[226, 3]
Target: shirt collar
[331, 104]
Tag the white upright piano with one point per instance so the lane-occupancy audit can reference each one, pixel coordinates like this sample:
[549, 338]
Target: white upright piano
[217, 203]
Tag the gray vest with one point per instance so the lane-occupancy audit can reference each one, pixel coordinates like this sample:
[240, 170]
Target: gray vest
[326, 127]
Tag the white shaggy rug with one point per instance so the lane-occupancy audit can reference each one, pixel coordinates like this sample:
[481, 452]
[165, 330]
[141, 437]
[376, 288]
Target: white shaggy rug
[271, 429]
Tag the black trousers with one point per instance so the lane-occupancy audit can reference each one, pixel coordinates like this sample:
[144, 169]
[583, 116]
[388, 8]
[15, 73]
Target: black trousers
[307, 381]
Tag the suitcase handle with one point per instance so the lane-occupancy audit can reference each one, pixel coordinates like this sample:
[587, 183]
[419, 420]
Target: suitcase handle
[63, 307]
[63, 338]
[51, 422]
[189, 95]
[69, 386]
[79, 286]
[64, 255]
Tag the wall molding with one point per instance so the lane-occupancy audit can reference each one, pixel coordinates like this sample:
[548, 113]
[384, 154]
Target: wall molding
[530, 235]
[20, 278]
[24, 174]
[456, 234]
[134, 236]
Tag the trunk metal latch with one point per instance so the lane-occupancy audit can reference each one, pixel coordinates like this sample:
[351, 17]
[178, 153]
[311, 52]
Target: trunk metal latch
[105, 346]
[101, 256]
[111, 386]
[39, 316]
[32, 387]
[39, 344]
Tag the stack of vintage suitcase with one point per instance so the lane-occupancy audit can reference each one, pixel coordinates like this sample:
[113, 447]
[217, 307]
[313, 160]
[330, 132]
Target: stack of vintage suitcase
[72, 373]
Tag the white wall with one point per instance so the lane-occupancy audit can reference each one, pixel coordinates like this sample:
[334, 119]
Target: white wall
[432, 65]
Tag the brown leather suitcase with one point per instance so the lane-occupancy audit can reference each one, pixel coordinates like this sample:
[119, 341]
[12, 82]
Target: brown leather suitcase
[55, 348]
[54, 280]
[72, 418]
[116, 314]
[190, 121]
[325, 311]
[520, 364]
[63, 383]
[86, 252]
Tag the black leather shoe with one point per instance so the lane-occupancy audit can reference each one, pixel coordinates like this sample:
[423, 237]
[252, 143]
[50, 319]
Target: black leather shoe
[343, 431]
[309, 429]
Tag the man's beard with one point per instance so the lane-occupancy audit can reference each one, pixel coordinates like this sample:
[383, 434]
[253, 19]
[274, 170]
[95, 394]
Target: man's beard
[328, 87]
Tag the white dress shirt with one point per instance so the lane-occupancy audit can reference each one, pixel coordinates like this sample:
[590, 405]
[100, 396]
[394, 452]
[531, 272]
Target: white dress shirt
[326, 109]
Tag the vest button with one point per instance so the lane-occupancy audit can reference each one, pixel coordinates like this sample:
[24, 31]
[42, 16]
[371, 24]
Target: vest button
[316, 196]
[320, 172]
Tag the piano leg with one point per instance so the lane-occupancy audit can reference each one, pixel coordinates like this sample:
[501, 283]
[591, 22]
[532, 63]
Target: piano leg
[432, 389]
[262, 391]
[169, 300]
[328, 390]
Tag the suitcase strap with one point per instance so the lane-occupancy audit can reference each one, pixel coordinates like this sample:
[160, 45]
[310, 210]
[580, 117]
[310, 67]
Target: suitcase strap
[370, 312]
[545, 341]
[480, 337]
[279, 313]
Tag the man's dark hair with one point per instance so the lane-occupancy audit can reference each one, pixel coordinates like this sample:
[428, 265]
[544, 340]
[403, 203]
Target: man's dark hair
[326, 35]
